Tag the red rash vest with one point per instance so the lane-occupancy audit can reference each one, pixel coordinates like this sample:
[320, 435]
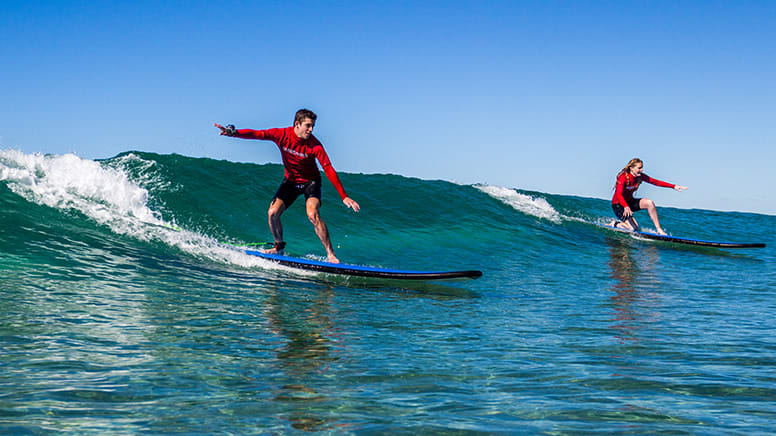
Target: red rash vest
[627, 185]
[298, 155]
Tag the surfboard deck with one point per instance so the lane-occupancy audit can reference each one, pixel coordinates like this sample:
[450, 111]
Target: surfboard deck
[687, 241]
[362, 271]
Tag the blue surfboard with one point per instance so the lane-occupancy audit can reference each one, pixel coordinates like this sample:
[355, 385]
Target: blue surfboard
[362, 271]
[687, 241]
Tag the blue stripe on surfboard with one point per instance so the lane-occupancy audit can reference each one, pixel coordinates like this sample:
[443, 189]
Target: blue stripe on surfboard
[360, 270]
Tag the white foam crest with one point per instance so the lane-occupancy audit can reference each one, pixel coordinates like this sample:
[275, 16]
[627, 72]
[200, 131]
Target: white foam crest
[69, 182]
[109, 197]
[534, 206]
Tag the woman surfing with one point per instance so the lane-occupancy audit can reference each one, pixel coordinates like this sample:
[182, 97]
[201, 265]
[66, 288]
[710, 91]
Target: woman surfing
[623, 202]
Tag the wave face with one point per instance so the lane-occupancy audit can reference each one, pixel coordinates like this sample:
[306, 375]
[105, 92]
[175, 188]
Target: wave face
[124, 312]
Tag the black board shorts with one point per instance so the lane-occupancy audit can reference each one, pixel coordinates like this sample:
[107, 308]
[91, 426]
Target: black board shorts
[619, 210]
[289, 191]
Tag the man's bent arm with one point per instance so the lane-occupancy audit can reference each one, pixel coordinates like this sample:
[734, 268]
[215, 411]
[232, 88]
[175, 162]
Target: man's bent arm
[334, 179]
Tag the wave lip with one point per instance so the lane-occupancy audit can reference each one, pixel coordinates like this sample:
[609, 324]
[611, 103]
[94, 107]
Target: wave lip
[109, 196]
[534, 206]
[70, 182]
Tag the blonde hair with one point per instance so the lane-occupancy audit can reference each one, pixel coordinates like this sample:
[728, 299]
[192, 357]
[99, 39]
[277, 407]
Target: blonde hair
[627, 168]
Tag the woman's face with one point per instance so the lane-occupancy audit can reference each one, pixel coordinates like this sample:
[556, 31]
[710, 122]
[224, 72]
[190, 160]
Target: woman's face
[636, 169]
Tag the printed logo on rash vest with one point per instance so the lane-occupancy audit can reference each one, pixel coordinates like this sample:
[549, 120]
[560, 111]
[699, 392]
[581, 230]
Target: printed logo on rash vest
[295, 153]
[634, 185]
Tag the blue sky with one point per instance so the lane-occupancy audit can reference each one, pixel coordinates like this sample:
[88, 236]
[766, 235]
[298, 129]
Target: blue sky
[552, 96]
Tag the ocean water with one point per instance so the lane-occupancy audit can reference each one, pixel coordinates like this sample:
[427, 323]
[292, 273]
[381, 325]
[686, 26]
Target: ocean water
[113, 322]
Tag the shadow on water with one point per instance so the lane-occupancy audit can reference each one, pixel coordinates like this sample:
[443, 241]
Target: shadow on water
[434, 290]
[630, 279]
[309, 349]
[306, 355]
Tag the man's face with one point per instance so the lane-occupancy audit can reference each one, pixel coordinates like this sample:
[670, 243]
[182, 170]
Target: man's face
[304, 128]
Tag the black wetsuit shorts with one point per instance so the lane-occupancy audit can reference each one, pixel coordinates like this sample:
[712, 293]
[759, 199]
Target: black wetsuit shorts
[289, 191]
[619, 210]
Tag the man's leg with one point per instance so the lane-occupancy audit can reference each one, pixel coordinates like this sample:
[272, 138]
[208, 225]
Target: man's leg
[313, 213]
[276, 209]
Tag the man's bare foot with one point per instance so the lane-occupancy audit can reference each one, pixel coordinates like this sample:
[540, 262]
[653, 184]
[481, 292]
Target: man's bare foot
[333, 259]
[661, 232]
[276, 249]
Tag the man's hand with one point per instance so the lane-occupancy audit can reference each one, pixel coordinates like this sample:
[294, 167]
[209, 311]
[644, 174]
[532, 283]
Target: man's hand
[349, 202]
[627, 212]
[229, 130]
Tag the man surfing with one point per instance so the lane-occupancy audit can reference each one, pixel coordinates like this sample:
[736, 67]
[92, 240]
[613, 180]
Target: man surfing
[623, 203]
[299, 150]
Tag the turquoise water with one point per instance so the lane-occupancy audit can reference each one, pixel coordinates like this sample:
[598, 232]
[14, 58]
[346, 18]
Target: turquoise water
[111, 322]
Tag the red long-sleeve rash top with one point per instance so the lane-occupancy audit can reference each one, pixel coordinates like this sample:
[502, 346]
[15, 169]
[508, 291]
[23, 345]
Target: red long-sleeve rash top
[298, 155]
[627, 185]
